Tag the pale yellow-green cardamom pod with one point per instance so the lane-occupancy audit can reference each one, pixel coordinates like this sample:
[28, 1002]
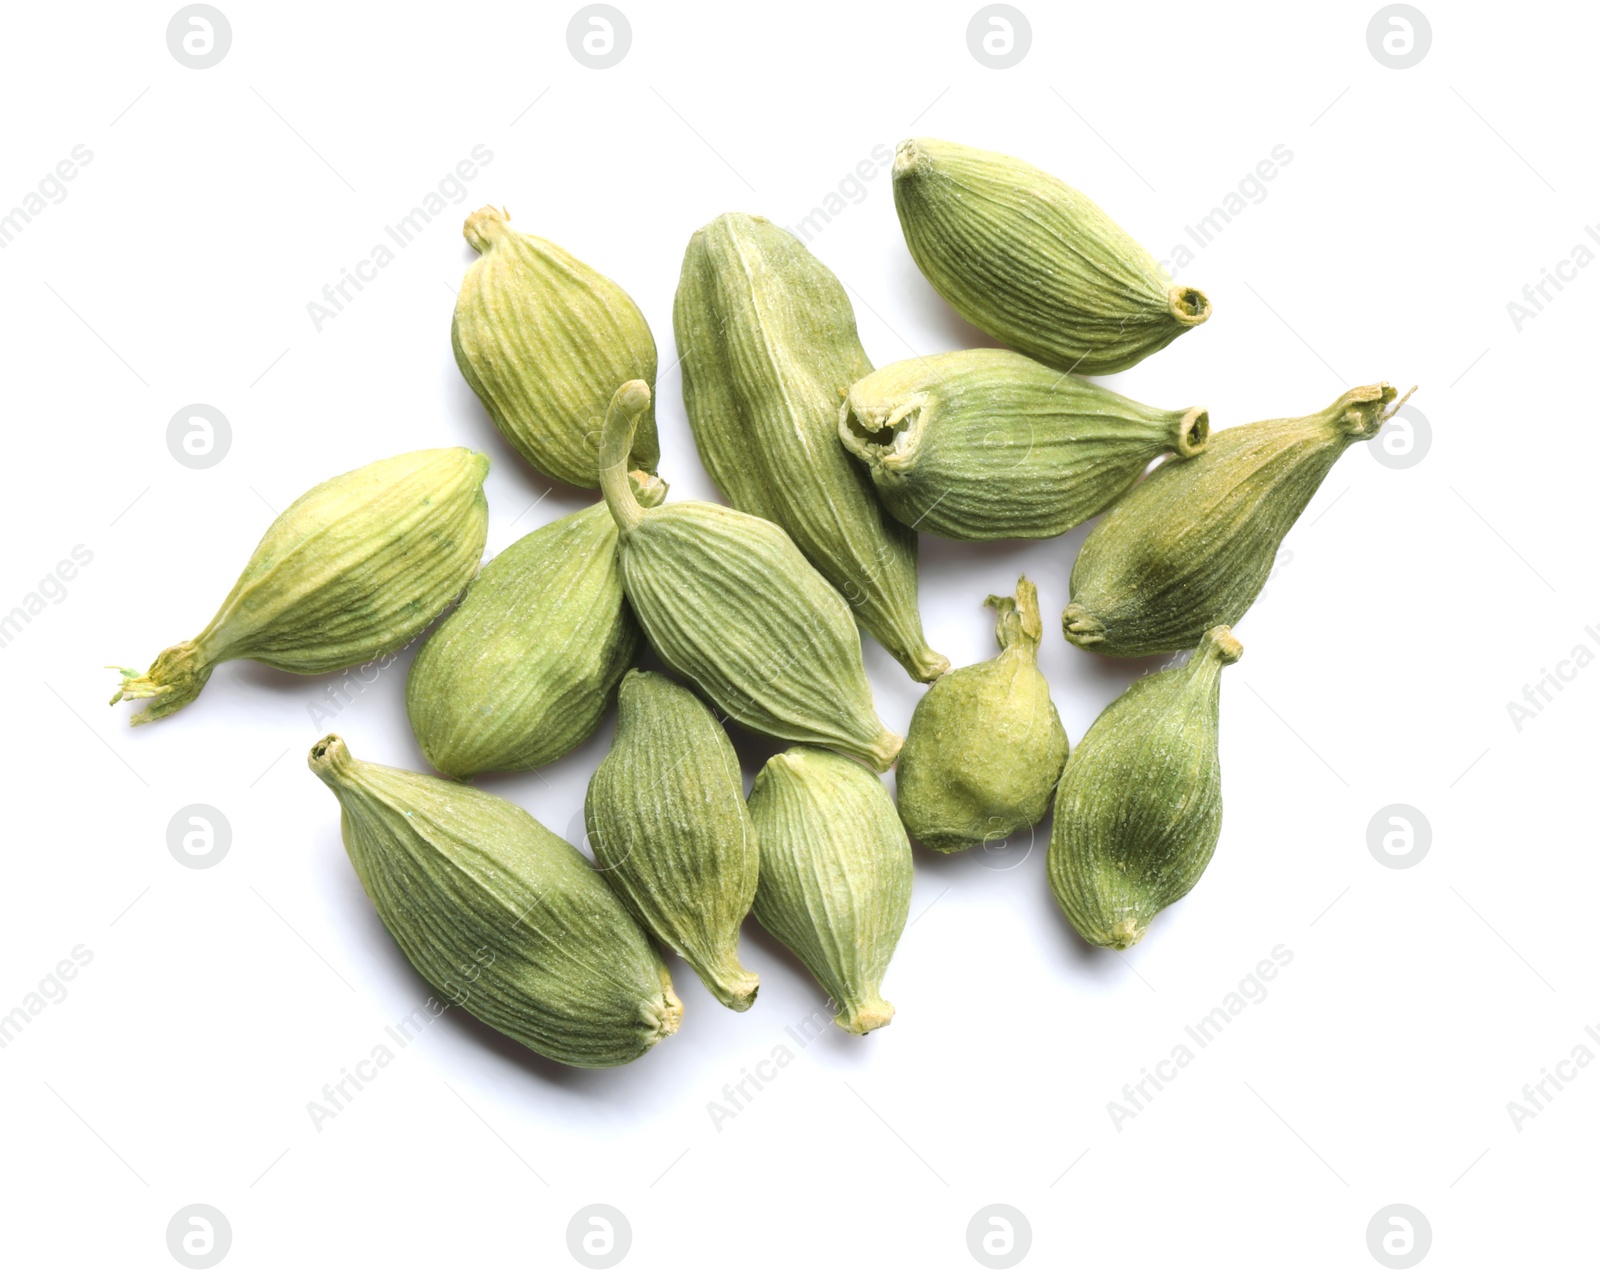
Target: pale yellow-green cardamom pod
[1139, 807]
[731, 605]
[986, 745]
[544, 340]
[667, 821]
[1033, 262]
[354, 569]
[503, 917]
[768, 342]
[836, 870]
[1191, 546]
[990, 445]
[523, 670]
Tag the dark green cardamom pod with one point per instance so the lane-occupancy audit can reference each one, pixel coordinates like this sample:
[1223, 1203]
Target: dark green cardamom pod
[1191, 546]
[989, 445]
[670, 831]
[986, 745]
[1139, 807]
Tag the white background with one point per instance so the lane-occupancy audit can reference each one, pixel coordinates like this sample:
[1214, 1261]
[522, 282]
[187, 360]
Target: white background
[1411, 606]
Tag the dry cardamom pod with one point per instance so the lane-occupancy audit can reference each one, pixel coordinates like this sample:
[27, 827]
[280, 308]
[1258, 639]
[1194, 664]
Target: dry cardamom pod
[986, 745]
[730, 604]
[523, 670]
[989, 445]
[835, 883]
[544, 340]
[1033, 262]
[768, 342]
[671, 834]
[501, 915]
[1191, 546]
[1139, 807]
[354, 569]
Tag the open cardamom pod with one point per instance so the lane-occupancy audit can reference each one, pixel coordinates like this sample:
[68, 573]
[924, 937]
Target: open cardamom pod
[501, 915]
[544, 340]
[768, 343]
[730, 604]
[1139, 806]
[523, 670]
[835, 883]
[671, 834]
[354, 569]
[1033, 262]
[990, 445]
[986, 745]
[1191, 546]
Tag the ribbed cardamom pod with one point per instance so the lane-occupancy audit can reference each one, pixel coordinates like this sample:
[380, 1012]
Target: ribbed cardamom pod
[730, 604]
[768, 342]
[986, 745]
[670, 831]
[523, 670]
[544, 340]
[990, 445]
[1033, 262]
[1139, 807]
[501, 915]
[1191, 546]
[354, 569]
[835, 882]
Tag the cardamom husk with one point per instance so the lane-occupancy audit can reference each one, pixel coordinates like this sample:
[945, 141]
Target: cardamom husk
[991, 445]
[732, 606]
[1033, 262]
[768, 344]
[1191, 546]
[671, 835]
[544, 340]
[986, 745]
[354, 569]
[1139, 807]
[835, 883]
[501, 915]
[522, 671]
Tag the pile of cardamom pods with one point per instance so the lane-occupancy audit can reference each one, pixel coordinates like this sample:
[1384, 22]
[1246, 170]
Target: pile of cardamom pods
[831, 468]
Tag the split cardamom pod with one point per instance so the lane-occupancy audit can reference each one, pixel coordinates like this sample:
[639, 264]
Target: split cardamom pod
[1033, 262]
[544, 340]
[522, 671]
[1191, 546]
[730, 604]
[768, 343]
[990, 445]
[501, 915]
[1139, 807]
[835, 883]
[671, 834]
[354, 569]
[986, 745]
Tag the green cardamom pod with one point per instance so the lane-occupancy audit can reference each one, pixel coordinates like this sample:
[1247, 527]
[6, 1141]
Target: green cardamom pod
[671, 834]
[1033, 262]
[835, 882]
[1191, 546]
[501, 915]
[730, 604]
[768, 343]
[991, 445]
[1139, 807]
[523, 670]
[544, 340]
[986, 745]
[354, 569]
